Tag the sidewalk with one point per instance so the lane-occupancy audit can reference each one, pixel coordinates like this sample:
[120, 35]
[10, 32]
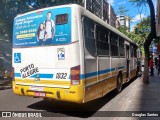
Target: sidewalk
[137, 97]
[144, 97]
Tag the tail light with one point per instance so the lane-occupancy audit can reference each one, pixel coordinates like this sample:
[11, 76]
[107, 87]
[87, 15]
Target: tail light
[12, 73]
[75, 75]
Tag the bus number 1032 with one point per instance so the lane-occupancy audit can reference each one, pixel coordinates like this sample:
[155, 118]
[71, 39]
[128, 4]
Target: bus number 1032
[61, 75]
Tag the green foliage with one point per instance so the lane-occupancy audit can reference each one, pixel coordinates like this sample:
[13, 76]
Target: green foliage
[143, 28]
[156, 40]
[140, 32]
[138, 3]
[138, 39]
[123, 29]
[122, 10]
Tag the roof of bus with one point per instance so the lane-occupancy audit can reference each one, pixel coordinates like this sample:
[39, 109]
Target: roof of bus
[88, 14]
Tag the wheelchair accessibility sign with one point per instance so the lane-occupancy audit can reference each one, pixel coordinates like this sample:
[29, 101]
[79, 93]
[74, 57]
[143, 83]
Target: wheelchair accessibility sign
[17, 57]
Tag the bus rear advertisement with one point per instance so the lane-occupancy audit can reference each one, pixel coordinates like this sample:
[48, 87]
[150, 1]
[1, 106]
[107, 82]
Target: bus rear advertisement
[36, 28]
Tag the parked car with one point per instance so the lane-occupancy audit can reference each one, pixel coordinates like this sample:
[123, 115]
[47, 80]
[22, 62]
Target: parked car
[2, 73]
[7, 74]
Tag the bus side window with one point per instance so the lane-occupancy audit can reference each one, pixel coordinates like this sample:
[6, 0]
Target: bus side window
[114, 44]
[102, 41]
[121, 47]
[132, 51]
[135, 51]
[89, 36]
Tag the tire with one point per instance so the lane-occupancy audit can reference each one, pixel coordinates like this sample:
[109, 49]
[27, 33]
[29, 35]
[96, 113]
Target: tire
[119, 84]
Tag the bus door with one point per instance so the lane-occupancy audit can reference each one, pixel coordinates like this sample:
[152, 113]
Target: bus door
[127, 61]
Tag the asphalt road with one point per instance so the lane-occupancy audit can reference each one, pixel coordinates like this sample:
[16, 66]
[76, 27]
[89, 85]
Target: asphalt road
[64, 110]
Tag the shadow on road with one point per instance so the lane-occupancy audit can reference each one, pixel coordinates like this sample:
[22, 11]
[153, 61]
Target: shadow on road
[63, 109]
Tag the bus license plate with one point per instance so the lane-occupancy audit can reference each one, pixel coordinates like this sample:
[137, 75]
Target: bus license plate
[36, 88]
[39, 94]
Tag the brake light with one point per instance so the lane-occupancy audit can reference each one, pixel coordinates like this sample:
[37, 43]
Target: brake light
[75, 75]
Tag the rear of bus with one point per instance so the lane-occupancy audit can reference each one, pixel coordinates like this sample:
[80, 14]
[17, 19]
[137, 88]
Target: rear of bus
[49, 70]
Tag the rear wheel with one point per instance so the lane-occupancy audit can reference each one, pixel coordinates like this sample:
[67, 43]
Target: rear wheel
[119, 83]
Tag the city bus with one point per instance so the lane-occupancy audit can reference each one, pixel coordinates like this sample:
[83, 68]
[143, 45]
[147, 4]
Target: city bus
[67, 53]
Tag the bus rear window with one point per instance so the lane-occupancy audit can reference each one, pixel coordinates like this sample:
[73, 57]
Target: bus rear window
[61, 19]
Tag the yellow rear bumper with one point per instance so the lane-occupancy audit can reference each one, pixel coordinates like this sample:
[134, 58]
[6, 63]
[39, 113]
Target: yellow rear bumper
[75, 93]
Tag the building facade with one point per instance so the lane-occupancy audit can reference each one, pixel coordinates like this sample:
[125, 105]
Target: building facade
[109, 15]
[100, 8]
[95, 6]
[124, 21]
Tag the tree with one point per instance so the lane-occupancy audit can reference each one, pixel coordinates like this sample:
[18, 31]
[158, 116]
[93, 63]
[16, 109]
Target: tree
[5, 21]
[142, 29]
[137, 38]
[150, 37]
[123, 29]
[122, 10]
[140, 32]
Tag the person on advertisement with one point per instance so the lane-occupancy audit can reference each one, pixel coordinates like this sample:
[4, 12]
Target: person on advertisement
[41, 34]
[50, 29]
